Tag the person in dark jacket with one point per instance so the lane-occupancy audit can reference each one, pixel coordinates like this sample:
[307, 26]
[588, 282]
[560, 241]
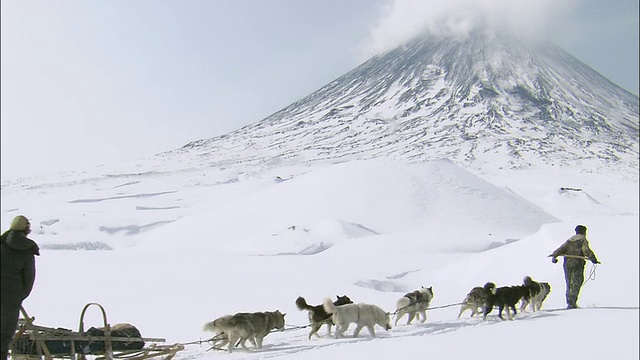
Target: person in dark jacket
[574, 250]
[18, 273]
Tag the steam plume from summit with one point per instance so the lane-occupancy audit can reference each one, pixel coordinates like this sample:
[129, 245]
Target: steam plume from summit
[403, 20]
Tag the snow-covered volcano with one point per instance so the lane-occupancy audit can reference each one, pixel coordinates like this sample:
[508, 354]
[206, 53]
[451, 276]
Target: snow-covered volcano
[480, 100]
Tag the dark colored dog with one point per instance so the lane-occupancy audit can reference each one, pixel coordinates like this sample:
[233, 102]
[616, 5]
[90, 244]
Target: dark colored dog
[317, 314]
[503, 297]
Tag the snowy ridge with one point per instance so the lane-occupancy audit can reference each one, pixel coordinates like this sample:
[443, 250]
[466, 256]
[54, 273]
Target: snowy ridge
[408, 198]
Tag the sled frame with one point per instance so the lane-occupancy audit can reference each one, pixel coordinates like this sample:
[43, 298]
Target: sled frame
[39, 334]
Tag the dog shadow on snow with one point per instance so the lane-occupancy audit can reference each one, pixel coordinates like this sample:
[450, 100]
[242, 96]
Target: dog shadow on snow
[301, 344]
[446, 326]
[441, 327]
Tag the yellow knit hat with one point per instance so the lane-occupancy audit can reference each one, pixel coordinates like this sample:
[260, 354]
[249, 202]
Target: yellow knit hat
[19, 223]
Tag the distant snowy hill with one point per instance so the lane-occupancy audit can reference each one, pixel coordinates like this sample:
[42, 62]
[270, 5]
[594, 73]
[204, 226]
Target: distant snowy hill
[347, 200]
[371, 199]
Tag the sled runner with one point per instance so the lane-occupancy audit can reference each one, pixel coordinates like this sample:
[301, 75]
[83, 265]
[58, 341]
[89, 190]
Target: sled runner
[120, 341]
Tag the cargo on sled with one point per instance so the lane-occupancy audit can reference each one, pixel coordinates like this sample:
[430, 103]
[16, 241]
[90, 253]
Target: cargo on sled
[120, 341]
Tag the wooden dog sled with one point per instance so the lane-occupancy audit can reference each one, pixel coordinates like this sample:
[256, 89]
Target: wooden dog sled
[32, 342]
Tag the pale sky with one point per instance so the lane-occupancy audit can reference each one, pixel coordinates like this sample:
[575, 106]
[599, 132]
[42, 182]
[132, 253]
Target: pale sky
[86, 83]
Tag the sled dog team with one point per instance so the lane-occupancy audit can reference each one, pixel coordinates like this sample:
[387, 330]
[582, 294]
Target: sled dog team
[530, 293]
[235, 330]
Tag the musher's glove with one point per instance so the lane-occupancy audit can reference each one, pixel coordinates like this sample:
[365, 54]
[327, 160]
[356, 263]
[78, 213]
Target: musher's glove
[554, 260]
[595, 261]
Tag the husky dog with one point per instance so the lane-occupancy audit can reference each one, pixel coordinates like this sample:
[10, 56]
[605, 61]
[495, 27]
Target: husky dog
[538, 292]
[474, 301]
[220, 338]
[545, 290]
[363, 315]
[413, 303]
[250, 326]
[503, 297]
[317, 314]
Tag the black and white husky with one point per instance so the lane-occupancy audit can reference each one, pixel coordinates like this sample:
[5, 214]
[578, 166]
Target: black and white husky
[317, 314]
[414, 303]
[538, 292]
